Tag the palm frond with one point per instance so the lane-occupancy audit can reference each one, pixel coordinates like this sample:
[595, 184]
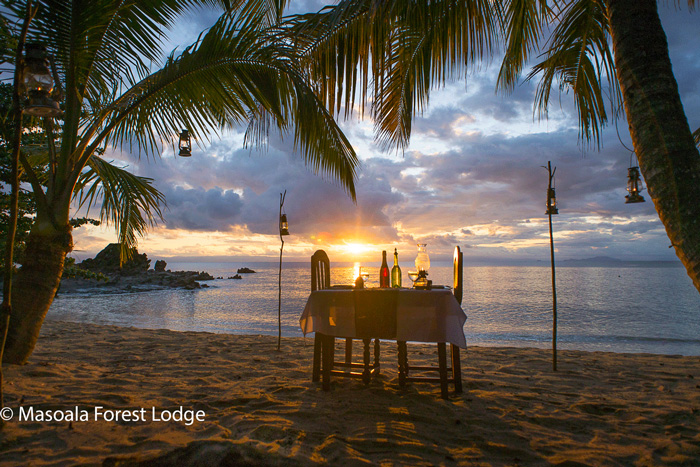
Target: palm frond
[102, 39]
[522, 23]
[271, 10]
[339, 44]
[130, 203]
[232, 72]
[405, 47]
[578, 59]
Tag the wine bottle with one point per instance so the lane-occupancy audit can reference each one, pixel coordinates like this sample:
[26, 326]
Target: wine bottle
[396, 271]
[384, 280]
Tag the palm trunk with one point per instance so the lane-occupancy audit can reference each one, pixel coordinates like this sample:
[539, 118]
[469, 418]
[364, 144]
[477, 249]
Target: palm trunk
[660, 132]
[34, 289]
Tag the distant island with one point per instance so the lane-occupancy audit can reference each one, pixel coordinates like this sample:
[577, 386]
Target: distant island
[608, 262]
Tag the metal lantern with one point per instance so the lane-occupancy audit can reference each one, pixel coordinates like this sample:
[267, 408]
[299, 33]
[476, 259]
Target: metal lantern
[38, 83]
[185, 144]
[551, 202]
[284, 226]
[633, 186]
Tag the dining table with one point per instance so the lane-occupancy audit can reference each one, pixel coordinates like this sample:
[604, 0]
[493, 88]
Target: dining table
[401, 314]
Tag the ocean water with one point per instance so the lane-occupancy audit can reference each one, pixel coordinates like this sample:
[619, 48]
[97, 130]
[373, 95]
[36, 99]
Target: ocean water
[640, 309]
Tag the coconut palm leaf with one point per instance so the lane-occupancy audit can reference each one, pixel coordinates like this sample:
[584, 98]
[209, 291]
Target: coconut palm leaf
[406, 48]
[342, 45]
[98, 41]
[522, 23]
[579, 59]
[130, 203]
[434, 43]
[236, 71]
[94, 46]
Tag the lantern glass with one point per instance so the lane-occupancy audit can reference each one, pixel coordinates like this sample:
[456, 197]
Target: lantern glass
[633, 186]
[38, 83]
[185, 144]
[551, 202]
[284, 225]
[37, 75]
[422, 261]
[37, 78]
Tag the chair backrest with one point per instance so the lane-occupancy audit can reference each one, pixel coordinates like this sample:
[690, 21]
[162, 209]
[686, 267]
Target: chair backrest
[457, 275]
[320, 271]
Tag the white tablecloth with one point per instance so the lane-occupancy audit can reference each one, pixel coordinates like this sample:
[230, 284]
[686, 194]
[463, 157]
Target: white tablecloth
[421, 315]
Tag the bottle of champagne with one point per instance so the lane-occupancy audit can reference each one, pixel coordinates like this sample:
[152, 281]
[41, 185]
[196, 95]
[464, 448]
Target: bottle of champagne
[384, 280]
[396, 271]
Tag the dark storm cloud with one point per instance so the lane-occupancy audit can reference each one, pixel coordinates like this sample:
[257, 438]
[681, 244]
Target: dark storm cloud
[202, 210]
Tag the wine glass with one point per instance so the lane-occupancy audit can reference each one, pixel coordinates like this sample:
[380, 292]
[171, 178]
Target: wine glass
[364, 275]
[413, 275]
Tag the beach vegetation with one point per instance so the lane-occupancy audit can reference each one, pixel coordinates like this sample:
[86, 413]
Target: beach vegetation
[31, 138]
[34, 144]
[611, 56]
[115, 91]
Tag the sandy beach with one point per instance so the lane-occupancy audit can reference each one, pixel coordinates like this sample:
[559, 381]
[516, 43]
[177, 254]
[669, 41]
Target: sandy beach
[218, 399]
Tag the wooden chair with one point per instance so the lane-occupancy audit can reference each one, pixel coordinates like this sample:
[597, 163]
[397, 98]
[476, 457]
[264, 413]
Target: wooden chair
[324, 346]
[320, 279]
[455, 370]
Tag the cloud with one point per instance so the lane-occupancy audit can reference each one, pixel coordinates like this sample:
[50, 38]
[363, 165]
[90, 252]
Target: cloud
[204, 210]
[472, 176]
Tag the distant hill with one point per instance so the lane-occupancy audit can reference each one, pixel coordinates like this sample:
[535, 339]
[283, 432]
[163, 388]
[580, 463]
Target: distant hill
[608, 262]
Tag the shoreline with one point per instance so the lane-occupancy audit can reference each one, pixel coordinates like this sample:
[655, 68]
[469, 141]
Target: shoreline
[562, 344]
[600, 408]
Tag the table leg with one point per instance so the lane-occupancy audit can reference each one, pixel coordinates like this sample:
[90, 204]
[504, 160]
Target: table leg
[327, 359]
[456, 369]
[402, 362]
[366, 371]
[316, 367]
[376, 354]
[442, 359]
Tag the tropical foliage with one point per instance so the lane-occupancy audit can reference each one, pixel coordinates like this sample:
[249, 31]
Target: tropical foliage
[27, 207]
[113, 96]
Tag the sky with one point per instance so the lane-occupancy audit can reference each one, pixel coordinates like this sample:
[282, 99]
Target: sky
[472, 176]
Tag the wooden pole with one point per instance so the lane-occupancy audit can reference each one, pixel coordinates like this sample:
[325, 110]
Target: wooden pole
[279, 298]
[6, 306]
[554, 282]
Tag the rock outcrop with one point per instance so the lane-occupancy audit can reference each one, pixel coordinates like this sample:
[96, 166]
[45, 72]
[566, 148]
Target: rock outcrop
[133, 276]
[107, 262]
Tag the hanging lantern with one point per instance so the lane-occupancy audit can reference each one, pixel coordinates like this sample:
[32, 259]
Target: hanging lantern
[185, 144]
[633, 186]
[38, 83]
[284, 226]
[551, 202]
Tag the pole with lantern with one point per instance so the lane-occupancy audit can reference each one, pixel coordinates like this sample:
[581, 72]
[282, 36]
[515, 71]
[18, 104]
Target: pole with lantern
[284, 230]
[552, 210]
[31, 74]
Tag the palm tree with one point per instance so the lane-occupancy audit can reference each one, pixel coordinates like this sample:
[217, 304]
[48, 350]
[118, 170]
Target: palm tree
[392, 53]
[239, 71]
